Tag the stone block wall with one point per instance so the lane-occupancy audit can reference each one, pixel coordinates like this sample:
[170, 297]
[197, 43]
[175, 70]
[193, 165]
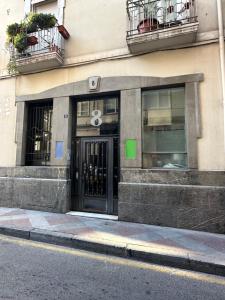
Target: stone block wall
[182, 199]
[38, 188]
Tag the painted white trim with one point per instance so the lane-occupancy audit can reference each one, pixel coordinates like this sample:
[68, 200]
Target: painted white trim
[92, 215]
[27, 7]
[61, 5]
[60, 8]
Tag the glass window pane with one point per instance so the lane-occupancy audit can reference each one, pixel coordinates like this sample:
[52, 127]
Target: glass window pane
[164, 142]
[83, 109]
[110, 106]
[98, 117]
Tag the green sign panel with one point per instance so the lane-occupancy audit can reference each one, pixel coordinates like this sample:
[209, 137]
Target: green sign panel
[131, 149]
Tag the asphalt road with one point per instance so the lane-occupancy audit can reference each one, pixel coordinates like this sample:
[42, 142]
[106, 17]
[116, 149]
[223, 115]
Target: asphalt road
[30, 270]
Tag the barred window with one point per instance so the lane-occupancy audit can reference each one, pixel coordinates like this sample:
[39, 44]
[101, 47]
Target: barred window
[39, 133]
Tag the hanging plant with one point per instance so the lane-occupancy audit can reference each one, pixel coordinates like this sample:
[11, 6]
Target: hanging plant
[12, 66]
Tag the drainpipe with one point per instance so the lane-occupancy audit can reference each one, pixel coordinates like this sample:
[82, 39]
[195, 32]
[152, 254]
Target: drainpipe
[222, 56]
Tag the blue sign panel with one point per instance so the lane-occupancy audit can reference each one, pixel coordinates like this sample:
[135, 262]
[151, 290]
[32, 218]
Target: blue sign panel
[59, 150]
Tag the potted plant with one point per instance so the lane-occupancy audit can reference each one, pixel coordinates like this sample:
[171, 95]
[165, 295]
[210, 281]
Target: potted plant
[149, 13]
[20, 42]
[43, 21]
[20, 34]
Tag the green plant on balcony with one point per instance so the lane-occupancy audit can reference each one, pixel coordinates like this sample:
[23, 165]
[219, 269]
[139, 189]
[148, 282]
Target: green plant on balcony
[20, 42]
[20, 37]
[13, 30]
[18, 34]
[41, 21]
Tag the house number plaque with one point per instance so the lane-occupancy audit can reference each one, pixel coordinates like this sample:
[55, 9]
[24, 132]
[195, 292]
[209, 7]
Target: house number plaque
[94, 83]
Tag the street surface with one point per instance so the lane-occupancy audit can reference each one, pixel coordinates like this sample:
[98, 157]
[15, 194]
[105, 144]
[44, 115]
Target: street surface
[30, 270]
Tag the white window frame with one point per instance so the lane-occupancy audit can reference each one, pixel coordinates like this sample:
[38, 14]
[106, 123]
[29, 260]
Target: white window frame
[28, 7]
[82, 112]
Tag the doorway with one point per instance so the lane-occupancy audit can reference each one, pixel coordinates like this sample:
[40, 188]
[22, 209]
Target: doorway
[96, 156]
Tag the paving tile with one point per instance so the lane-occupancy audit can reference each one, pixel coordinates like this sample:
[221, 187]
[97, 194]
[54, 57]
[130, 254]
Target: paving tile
[57, 220]
[79, 231]
[215, 243]
[173, 241]
[24, 223]
[13, 213]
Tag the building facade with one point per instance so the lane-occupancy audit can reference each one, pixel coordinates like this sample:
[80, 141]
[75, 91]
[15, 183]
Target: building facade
[122, 113]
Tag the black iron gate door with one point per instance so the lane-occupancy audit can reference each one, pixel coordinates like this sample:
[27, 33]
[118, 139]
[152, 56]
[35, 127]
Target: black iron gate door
[98, 174]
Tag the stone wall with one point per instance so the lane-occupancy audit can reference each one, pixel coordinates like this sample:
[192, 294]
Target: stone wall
[38, 188]
[182, 199]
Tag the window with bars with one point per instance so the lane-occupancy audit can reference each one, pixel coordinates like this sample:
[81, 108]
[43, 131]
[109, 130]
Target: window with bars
[39, 133]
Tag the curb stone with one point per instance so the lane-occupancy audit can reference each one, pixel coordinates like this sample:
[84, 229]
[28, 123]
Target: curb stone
[120, 249]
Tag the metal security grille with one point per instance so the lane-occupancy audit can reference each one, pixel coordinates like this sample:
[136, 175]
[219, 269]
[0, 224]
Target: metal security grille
[95, 168]
[39, 134]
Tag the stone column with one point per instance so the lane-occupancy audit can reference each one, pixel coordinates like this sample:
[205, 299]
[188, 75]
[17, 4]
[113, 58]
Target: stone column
[21, 132]
[130, 125]
[193, 123]
[61, 132]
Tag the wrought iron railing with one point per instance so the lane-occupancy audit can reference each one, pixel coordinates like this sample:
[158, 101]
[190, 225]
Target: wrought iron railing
[151, 15]
[47, 41]
[39, 133]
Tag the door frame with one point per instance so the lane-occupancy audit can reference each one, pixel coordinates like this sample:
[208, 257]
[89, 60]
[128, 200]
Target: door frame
[75, 199]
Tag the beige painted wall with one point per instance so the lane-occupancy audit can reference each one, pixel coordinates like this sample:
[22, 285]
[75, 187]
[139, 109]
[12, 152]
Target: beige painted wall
[98, 26]
[10, 12]
[7, 122]
[204, 59]
[94, 30]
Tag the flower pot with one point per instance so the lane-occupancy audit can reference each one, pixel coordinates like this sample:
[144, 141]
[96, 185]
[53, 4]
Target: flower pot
[147, 25]
[32, 40]
[62, 30]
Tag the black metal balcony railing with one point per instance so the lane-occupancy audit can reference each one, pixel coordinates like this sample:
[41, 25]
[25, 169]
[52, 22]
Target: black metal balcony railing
[151, 15]
[48, 40]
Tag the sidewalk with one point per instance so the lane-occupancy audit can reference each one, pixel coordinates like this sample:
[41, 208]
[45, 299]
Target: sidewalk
[192, 250]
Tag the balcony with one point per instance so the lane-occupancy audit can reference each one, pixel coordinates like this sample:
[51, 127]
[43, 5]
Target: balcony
[45, 51]
[160, 24]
